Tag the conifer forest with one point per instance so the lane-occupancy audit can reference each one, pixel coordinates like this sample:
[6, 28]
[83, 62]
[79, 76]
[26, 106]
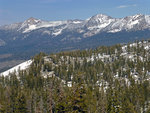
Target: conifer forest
[108, 79]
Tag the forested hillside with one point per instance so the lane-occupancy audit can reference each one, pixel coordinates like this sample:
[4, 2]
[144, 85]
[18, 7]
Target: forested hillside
[114, 79]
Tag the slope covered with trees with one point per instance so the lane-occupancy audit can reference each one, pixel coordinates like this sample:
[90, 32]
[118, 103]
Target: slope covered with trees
[113, 79]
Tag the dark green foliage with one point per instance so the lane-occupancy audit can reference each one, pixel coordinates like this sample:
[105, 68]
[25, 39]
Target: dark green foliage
[21, 104]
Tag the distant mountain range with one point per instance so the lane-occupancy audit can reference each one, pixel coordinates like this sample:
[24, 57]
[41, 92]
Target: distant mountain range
[27, 38]
[89, 27]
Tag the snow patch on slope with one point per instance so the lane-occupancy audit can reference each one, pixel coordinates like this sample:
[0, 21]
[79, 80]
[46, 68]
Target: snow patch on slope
[147, 18]
[31, 27]
[114, 31]
[21, 66]
[44, 24]
[58, 32]
[77, 22]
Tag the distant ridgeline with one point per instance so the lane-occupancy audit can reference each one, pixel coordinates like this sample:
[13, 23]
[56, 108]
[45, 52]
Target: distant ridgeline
[25, 39]
[114, 79]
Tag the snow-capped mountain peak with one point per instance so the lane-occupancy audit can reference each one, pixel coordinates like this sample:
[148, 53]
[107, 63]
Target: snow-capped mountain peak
[29, 24]
[100, 18]
[97, 24]
[32, 20]
[135, 22]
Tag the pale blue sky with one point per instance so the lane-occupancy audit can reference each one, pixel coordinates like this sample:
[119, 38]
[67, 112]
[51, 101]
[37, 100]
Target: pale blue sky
[12, 11]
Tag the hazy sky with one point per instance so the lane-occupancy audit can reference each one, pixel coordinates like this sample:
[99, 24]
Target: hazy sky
[12, 11]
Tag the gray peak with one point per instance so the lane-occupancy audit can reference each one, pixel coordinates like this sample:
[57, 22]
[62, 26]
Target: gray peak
[32, 20]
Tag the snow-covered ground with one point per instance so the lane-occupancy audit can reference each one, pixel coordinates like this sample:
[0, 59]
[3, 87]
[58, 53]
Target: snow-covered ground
[21, 66]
